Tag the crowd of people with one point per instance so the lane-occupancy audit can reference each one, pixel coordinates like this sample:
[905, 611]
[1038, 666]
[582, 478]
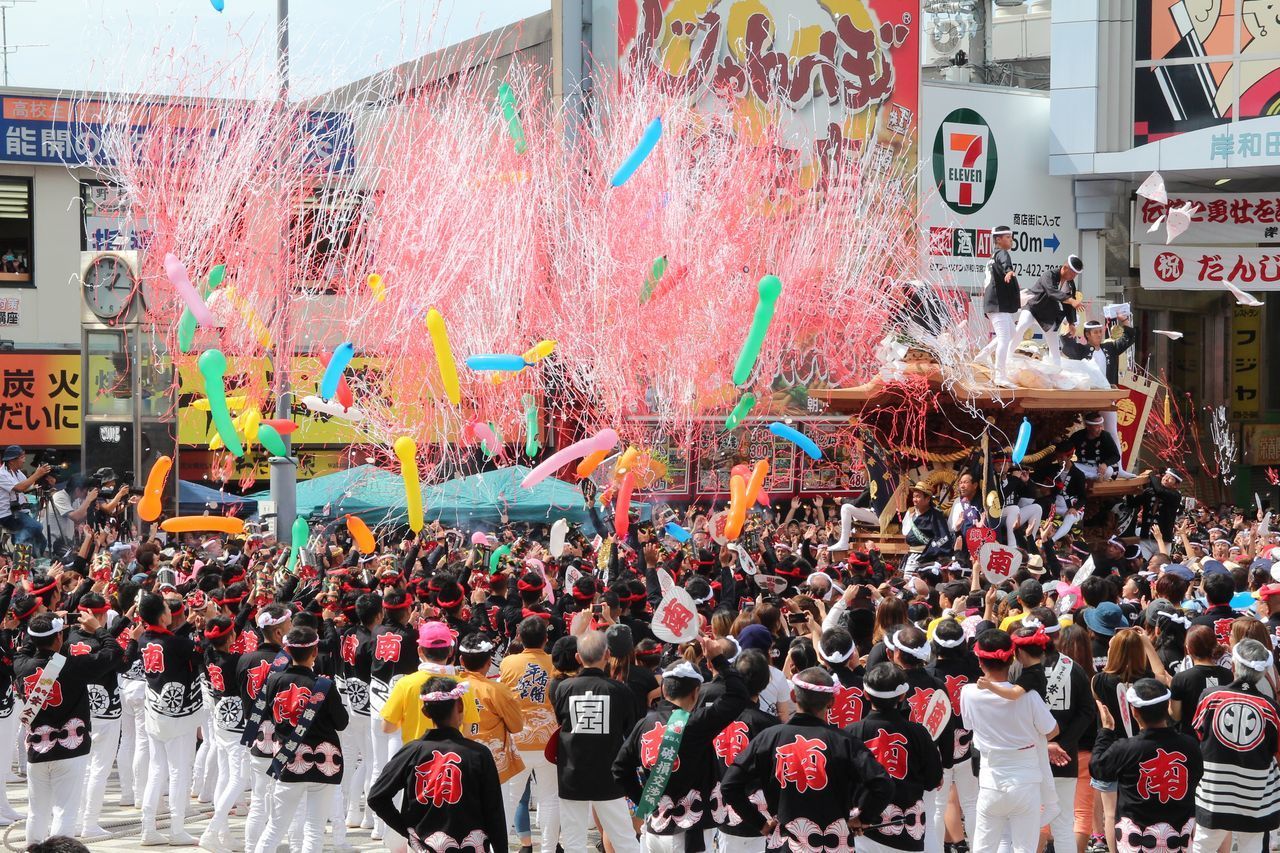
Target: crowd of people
[452, 691]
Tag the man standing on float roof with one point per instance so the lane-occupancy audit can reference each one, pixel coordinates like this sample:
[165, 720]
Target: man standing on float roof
[1049, 300]
[1001, 301]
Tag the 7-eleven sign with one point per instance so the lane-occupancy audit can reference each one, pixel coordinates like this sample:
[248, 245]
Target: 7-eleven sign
[964, 161]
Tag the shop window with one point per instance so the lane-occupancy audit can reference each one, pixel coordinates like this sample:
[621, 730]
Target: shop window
[16, 233]
[330, 222]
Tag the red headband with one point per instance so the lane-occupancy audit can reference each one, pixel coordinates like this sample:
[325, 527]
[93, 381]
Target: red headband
[449, 603]
[231, 599]
[1039, 638]
[95, 610]
[1005, 655]
[216, 633]
[525, 586]
[404, 605]
[42, 590]
[21, 616]
[581, 596]
[525, 613]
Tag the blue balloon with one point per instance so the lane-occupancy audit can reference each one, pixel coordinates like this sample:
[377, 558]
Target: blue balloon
[217, 4]
[342, 355]
[797, 438]
[677, 532]
[491, 361]
[1024, 439]
[652, 134]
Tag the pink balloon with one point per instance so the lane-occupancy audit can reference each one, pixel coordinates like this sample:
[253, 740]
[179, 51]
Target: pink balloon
[605, 439]
[490, 440]
[622, 506]
[181, 282]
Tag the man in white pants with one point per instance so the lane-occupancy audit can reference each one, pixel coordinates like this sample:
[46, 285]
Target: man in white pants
[528, 676]
[274, 621]
[1006, 733]
[1001, 301]
[596, 713]
[104, 709]
[1043, 306]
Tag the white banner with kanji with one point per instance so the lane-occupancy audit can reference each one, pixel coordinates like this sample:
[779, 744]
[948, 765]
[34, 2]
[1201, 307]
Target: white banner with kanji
[998, 562]
[675, 619]
[1209, 268]
[1215, 218]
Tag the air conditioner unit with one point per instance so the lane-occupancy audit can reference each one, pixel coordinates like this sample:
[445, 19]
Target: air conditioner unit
[950, 27]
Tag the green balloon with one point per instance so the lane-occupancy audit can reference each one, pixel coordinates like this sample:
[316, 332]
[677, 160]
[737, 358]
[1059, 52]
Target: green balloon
[213, 367]
[769, 289]
[531, 445]
[484, 445]
[186, 331]
[495, 559]
[507, 100]
[270, 438]
[301, 533]
[656, 272]
[215, 276]
[740, 411]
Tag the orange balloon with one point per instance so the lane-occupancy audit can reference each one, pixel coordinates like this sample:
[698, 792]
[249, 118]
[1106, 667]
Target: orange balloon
[588, 466]
[622, 509]
[361, 533]
[152, 503]
[626, 461]
[756, 483]
[203, 524]
[737, 515]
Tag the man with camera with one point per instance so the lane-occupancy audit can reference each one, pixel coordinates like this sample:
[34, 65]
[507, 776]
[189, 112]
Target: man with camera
[112, 501]
[65, 509]
[15, 515]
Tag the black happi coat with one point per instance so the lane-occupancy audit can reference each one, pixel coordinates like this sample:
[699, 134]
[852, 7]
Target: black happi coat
[1094, 451]
[813, 777]
[392, 650]
[452, 797]
[1239, 731]
[596, 714]
[1158, 771]
[850, 702]
[732, 741]
[910, 758]
[1070, 700]
[683, 805]
[355, 656]
[251, 676]
[104, 687]
[955, 668]
[1000, 297]
[60, 729]
[319, 757]
[920, 690]
[1111, 351]
[220, 672]
[172, 666]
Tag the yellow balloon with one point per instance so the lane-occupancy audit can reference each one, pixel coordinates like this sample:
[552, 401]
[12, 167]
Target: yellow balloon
[375, 284]
[444, 361]
[540, 350]
[247, 425]
[234, 404]
[407, 452]
[259, 329]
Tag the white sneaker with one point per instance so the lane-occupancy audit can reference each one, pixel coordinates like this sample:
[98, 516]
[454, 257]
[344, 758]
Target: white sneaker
[210, 840]
[181, 838]
[152, 838]
[93, 833]
[1125, 475]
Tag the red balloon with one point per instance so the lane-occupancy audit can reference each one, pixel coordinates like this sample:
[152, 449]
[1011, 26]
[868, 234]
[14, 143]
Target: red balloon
[344, 396]
[284, 426]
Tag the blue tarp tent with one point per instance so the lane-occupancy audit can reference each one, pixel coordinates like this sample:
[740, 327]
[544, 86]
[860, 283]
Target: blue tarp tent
[194, 499]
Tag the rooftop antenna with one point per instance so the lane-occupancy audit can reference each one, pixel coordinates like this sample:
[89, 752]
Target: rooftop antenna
[5, 47]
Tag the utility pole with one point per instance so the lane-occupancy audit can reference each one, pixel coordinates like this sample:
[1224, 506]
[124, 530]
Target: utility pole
[5, 47]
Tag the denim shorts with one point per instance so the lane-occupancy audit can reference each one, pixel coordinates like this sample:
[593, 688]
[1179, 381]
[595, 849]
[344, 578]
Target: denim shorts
[1105, 787]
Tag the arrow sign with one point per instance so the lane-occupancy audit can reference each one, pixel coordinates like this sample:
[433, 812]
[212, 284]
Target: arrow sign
[1053, 242]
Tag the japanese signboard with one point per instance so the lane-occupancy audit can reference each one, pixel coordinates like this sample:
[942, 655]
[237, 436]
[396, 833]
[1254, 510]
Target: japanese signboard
[675, 458]
[839, 470]
[982, 165]
[108, 222]
[1215, 218]
[1246, 362]
[1131, 416]
[197, 464]
[833, 73]
[718, 452]
[40, 399]
[1209, 268]
[10, 310]
[1262, 444]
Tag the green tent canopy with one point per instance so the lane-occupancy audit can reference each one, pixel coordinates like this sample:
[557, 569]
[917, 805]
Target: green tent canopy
[366, 491]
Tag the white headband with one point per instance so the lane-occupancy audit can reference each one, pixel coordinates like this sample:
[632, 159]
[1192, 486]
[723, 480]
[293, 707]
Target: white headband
[921, 654]
[883, 694]
[1259, 665]
[711, 593]
[55, 627]
[949, 644]
[737, 648]
[444, 696]
[1131, 696]
[309, 645]
[1033, 622]
[840, 657]
[1174, 617]
[816, 688]
[264, 619]
[683, 669]
[476, 648]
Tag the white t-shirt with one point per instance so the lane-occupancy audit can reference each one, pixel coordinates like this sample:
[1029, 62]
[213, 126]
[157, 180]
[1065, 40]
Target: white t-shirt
[779, 690]
[1006, 733]
[9, 479]
[56, 513]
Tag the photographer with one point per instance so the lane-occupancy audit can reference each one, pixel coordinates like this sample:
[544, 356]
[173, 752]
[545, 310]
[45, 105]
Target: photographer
[14, 514]
[112, 500]
[65, 509]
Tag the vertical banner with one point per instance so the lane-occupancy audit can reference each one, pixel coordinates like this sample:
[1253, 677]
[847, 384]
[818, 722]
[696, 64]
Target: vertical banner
[1132, 412]
[1246, 360]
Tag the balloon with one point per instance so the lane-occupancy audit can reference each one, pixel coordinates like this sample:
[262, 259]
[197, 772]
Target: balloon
[216, 275]
[407, 452]
[539, 351]
[1024, 439]
[342, 355]
[203, 524]
[744, 471]
[247, 425]
[152, 502]
[187, 322]
[444, 356]
[344, 397]
[652, 134]
[510, 114]
[590, 463]
[489, 440]
[769, 289]
[283, 426]
[740, 411]
[677, 532]
[217, 4]
[656, 271]
[605, 439]
[375, 284]
[509, 363]
[271, 441]
[495, 559]
[259, 329]
[622, 509]
[755, 484]
[559, 531]
[531, 446]
[234, 404]
[301, 533]
[626, 461]
[181, 282]
[361, 534]
[737, 515]
[797, 438]
[213, 366]
[334, 409]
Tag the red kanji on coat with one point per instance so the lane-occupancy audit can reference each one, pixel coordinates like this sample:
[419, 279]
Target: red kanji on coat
[890, 750]
[254, 676]
[288, 704]
[954, 683]
[439, 780]
[802, 764]
[651, 744]
[676, 617]
[55, 693]
[386, 647]
[918, 701]
[78, 649]
[731, 741]
[1163, 777]
[847, 707]
[215, 678]
[348, 649]
[153, 658]
[1222, 630]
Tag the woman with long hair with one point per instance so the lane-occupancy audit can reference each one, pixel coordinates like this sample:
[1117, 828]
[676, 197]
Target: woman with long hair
[1127, 661]
[1073, 642]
